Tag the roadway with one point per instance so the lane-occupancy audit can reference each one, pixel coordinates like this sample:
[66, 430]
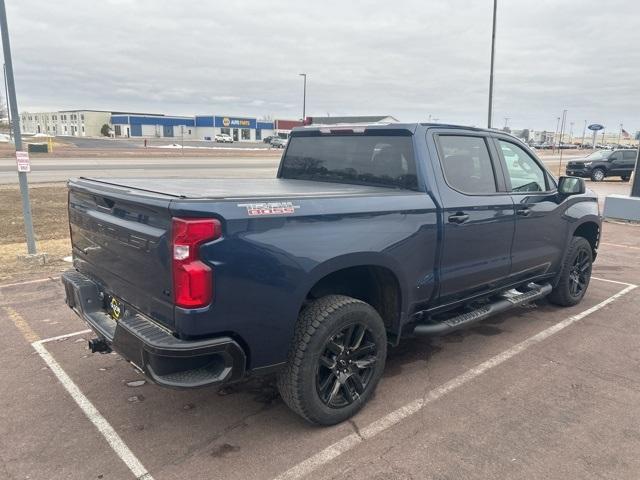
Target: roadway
[157, 164]
[61, 169]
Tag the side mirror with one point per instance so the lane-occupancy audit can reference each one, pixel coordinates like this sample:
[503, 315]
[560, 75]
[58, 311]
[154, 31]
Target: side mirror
[571, 186]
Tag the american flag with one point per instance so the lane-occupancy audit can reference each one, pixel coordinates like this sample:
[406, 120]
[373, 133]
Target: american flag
[625, 134]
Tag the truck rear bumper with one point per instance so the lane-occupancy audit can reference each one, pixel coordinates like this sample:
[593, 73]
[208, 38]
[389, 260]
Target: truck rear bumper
[165, 359]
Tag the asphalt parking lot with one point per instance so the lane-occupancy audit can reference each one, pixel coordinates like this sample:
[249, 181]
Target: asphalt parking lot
[539, 392]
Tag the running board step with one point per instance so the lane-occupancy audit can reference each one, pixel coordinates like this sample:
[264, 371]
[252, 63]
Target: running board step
[507, 301]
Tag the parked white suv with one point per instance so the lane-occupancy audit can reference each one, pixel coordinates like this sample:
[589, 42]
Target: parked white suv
[223, 138]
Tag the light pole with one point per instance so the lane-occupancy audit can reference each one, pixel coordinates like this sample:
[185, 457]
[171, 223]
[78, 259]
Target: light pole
[493, 54]
[304, 96]
[22, 176]
[564, 120]
[555, 135]
[584, 133]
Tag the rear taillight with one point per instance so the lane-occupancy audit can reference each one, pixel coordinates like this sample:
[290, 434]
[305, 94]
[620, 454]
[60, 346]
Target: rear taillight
[192, 279]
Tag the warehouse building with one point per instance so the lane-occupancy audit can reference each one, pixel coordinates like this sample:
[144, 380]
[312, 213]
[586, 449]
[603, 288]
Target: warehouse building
[80, 123]
[149, 125]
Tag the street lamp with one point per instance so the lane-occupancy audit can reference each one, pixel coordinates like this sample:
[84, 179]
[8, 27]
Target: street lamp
[304, 96]
[493, 53]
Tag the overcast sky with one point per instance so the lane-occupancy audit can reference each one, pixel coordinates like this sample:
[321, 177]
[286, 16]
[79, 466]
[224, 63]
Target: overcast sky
[409, 59]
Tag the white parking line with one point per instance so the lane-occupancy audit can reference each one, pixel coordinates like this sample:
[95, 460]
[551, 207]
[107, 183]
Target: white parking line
[66, 335]
[111, 436]
[620, 245]
[325, 456]
[29, 282]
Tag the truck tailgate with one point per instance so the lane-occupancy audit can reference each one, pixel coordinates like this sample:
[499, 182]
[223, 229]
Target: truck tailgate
[120, 239]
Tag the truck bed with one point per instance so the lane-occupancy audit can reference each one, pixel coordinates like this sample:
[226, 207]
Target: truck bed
[237, 189]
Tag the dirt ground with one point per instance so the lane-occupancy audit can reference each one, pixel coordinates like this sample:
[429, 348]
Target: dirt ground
[49, 210]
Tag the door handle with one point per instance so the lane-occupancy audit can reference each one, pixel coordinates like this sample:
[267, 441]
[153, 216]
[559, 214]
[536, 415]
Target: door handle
[525, 212]
[459, 217]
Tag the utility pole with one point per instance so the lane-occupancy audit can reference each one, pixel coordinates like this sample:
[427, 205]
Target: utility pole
[22, 176]
[304, 97]
[6, 98]
[493, 54]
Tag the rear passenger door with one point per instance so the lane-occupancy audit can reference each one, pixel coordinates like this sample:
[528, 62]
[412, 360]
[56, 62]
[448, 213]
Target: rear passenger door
[628, 162]
[540, 230]
[479, 217]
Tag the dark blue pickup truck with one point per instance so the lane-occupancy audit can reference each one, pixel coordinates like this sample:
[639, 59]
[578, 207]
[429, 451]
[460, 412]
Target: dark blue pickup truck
[368, 234]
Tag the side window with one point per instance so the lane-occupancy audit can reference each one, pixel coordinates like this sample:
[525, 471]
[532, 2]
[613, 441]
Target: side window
[467, 164]
[629, 157]
[615, 157]
[525, 174]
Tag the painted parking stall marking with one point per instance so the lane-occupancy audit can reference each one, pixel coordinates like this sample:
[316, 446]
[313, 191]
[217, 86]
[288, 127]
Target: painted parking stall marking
[347, 443]
[104, 427]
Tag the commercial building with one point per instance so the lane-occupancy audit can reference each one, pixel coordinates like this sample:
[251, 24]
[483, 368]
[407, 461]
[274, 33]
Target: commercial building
[82, 123]
[350, 119]
[150, 125]
[282, 128]
[89, 123]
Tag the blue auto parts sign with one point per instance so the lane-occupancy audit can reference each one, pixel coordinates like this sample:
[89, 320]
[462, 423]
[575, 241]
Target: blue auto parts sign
[235, 122]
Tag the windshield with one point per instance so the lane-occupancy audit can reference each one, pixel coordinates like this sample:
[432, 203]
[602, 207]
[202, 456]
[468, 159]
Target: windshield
[599, 155]
[385, 161]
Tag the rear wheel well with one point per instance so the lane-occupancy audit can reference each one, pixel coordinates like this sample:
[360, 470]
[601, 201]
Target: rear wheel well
[378, 286]
[591, 232]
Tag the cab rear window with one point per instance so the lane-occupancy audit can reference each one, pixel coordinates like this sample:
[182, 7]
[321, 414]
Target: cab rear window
[386, 161]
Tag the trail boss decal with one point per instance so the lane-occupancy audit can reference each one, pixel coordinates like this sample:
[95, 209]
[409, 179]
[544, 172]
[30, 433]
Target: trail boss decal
[269, 208]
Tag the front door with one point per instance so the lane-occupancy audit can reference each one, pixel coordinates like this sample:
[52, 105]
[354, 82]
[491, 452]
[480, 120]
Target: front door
[541, 231]
[235, 134]
[479, 217]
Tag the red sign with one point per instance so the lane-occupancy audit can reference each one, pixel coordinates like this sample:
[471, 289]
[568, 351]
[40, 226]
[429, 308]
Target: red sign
[22, 159]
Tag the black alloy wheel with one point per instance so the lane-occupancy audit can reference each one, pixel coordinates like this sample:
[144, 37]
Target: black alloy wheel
[580, 274]
[573, 280]
[335, 361]
[346, 366]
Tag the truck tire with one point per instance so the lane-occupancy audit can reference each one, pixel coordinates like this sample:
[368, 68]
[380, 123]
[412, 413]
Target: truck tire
[625, 178]
[598, 174]
[335, 361]
[575, 274]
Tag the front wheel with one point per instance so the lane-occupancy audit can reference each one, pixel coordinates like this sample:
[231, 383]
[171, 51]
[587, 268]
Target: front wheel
[598, 175]
[336, 359]
[575, 274]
